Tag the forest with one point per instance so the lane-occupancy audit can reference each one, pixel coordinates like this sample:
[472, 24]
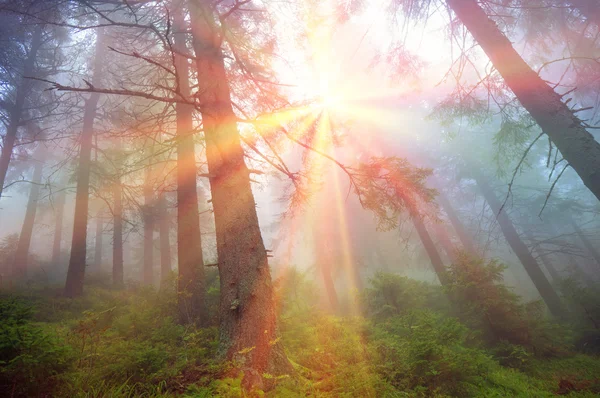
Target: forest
[299, 198]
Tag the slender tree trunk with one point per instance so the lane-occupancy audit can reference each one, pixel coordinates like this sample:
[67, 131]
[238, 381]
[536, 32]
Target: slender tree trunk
[575, 143]
[531, 266]
[434, 255]
[117, 271]
[165, 246]
[22, 253]
[76, 271]
[15, 114]
[248, 325]
[441, 234]
[98, 243]
[58, 227]
[149, 216]
[190, 285]
[324, 262]
[461, 232]
[586, 242]
[332, 298]
[545, 260]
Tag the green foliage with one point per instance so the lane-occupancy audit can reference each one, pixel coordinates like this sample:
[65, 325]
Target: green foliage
[391, 295]
[126, 344]
[426, 352]
[482, 301]
[32, 356]
[584, 308]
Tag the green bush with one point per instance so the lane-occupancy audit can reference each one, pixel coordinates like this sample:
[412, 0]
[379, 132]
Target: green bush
[391, 295]
[484, 303]
[426, 351]
[32, 356]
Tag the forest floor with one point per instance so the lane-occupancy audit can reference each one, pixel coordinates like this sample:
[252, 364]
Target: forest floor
[126, 344]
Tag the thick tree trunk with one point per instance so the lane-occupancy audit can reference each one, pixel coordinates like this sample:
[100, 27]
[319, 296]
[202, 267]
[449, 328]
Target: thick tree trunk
[22, 253]
[432, 252]
[190, 284]
[58, 227]
[76, 271]
[98, 242]
[575, 143]
[165, 246]
[458, 226]
[15, 114]
[531, 266]
[248, 325]
[592, 250]
[149, 217]
[117, 271]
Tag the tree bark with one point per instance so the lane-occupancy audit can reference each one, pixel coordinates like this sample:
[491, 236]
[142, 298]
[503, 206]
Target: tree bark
[190, 284]
[58, 227]
[22, 253]
[15, 114]
[248, 324]
[117, 271]
[434, 255]
[575, 143]
[149, 217]
[76, 271]
[165, 246]
[531, 266]
[98, 242]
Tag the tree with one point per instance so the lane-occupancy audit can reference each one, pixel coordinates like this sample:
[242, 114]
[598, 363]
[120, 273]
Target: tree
[22, 253]
[190, 283]
[77, 261]
[164, 226]
[533, 269]
[248, 326]
[16, 110]
[566, 131]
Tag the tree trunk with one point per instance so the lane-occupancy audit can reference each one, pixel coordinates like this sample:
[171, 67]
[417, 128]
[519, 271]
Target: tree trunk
[441, 234]
[586, 242]
[76, 271]
[165, 246]
[22, 253]
[575, 143]
[248, 324]
[58, 227]
[148, 216]
[117, 271]
[434, 255]
[545, 260]
[190, 283]
[461, 232]
[98, 243]
[15, 114]
[531, 266]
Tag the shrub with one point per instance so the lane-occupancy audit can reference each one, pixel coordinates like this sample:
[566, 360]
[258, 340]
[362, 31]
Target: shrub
[33, 357]
[426, 351]
[484, 303]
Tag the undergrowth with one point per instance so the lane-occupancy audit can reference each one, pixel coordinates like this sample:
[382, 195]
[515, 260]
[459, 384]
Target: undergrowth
[473, 338]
